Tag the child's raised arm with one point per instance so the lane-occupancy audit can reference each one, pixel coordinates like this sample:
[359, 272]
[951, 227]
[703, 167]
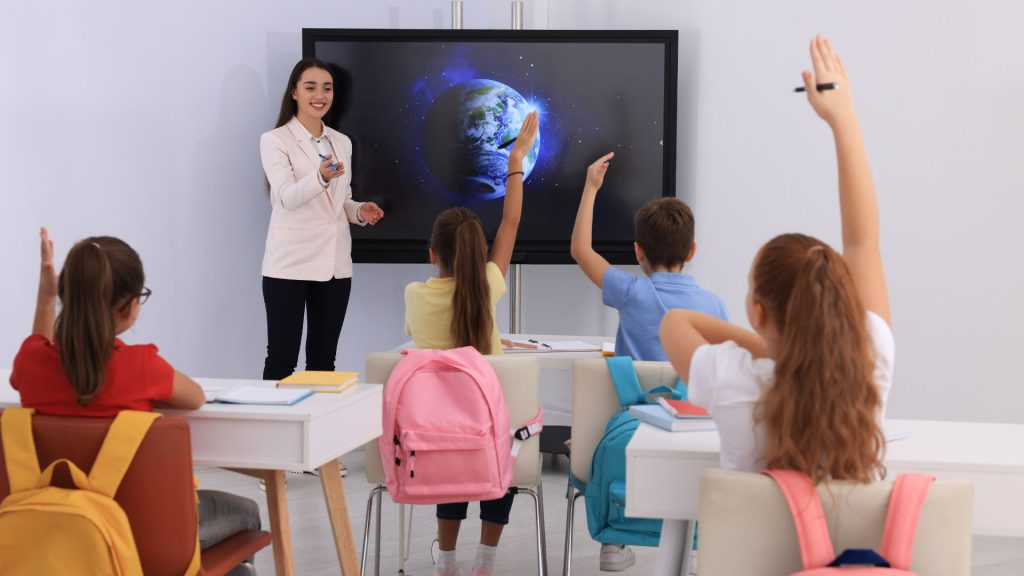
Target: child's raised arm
[858, 204]
[505, 239]
[593, 264]
[46, 300]
[683, 331]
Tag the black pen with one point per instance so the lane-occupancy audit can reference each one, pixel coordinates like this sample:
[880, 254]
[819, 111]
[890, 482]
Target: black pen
[507, 144]
[820, 87]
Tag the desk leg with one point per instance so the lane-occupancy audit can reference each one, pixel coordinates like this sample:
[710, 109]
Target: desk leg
[674, 548]
[337, 511]
[280, 525]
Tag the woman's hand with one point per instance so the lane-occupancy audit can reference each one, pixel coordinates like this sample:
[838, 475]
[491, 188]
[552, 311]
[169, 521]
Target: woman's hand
[47, 271]
[328, 173]
[525, 139]
[370, 213]
[831, 105]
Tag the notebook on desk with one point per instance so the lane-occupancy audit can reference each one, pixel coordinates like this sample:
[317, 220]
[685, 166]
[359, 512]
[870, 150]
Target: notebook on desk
[245, 394]
[320, 381]
[657, 416]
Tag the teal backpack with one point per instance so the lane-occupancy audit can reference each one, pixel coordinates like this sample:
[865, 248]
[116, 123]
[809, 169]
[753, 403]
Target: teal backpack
[605, 494]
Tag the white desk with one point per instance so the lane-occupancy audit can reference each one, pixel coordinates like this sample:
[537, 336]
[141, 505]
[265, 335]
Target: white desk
[547, 360]
[265, 441]
[663, 472]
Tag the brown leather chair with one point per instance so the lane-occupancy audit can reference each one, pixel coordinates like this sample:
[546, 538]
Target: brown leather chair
[156, 493]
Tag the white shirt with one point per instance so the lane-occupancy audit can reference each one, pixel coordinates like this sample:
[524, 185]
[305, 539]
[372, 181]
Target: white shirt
[728, 382]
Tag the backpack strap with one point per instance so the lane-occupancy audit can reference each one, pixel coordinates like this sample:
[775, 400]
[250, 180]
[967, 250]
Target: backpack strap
[19, 449]
[905, 503]
[811, 530]
[520, 435]
[627, 385]
[123, 439]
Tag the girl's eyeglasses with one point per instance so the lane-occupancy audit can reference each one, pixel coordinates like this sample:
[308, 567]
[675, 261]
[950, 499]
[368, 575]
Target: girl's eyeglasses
[144, 295]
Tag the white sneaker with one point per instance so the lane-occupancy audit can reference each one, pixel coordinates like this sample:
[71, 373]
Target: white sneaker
[616, 558]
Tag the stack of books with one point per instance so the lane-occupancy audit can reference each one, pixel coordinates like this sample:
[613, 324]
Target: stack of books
[674, 416]
[320, 381]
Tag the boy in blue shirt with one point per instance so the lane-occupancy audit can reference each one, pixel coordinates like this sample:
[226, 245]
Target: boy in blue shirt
[663, 245]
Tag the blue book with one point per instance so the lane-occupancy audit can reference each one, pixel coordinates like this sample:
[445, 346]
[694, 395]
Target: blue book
[656, 416]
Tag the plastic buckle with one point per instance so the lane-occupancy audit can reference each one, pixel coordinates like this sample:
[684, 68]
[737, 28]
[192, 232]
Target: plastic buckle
[522, 434]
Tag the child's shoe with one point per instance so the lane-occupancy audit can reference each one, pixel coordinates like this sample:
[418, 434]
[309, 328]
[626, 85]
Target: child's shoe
[616, 558]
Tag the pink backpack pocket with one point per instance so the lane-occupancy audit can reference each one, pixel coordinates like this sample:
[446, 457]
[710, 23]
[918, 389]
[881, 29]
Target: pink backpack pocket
[908, 495]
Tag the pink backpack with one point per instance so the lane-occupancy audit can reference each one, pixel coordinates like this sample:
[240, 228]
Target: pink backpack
[908, 495]
[446, 435]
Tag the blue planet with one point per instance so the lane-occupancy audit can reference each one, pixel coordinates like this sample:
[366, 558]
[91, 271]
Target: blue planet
[462, 131]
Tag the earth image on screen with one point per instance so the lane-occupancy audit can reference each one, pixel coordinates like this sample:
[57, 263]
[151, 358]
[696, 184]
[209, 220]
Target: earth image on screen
[463, 128]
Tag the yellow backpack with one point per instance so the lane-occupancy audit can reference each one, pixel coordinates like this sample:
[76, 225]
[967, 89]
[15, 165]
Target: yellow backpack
[49, 530]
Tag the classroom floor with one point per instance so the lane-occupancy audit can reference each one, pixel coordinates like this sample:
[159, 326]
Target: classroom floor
[315, 555]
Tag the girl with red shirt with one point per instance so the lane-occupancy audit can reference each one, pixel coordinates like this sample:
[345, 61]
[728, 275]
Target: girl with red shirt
[73, 364]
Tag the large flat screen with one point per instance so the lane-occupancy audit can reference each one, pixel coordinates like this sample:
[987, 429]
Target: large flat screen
[427, 112]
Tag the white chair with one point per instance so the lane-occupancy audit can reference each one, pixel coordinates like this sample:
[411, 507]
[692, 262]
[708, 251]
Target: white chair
[746, 527]
[520, 378]
[594, 401]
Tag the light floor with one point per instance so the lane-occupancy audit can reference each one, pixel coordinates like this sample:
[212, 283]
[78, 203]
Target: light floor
[315, 554]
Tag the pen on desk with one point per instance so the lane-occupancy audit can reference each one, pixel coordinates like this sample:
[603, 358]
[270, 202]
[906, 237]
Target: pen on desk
[507, 144]
[820, 87]
[540, 344]
[331, 164]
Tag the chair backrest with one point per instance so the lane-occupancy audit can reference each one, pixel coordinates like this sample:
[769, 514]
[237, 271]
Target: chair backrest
[594, 401]
[520, 380]
[746, 526]
[157, 491]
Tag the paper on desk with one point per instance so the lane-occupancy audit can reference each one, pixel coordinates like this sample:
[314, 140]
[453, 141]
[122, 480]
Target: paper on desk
[262, 395]
[573, 346]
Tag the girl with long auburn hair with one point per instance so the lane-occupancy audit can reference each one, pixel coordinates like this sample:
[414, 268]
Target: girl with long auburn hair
[807, 388]
[457, 309]
[73, 363]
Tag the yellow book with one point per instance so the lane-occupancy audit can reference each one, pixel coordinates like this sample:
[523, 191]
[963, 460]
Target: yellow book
[321, 381]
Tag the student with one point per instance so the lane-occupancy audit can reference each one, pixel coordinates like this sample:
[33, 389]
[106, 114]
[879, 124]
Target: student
[805, 390]
[73, 364]
[457, 309]
[664, 244]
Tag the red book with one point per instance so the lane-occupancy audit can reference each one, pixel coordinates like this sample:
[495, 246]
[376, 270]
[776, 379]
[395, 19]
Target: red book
[683, 408]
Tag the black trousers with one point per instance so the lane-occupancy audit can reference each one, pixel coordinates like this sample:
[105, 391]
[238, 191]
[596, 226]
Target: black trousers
[324, 305]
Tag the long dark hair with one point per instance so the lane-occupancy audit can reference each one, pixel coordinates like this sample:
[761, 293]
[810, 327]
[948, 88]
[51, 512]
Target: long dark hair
[821, 414]
[288, 104]
[459, 242]
[101, 276]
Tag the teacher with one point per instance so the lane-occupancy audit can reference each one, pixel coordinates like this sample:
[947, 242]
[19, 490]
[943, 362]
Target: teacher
[307, 265]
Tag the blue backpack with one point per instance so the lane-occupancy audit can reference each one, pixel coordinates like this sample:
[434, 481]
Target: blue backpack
[605, 493]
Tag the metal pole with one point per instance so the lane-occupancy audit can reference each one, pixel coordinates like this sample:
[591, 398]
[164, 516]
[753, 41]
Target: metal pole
[514, 304]
[456, 14]
[517, 14]
[515, 272]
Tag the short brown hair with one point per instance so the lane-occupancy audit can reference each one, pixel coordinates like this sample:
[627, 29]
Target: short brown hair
[664, 229]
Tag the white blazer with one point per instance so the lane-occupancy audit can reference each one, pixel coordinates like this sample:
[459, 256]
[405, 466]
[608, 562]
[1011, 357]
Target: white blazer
[309, 236]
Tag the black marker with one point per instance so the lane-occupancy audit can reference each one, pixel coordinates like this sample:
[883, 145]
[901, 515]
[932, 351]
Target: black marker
[507, 144]
[820, 87]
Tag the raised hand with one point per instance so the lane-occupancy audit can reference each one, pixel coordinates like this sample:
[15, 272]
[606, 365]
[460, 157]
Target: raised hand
[527, 136]
[47, 271]
[596, 171]
[831, 105]
[371, 213]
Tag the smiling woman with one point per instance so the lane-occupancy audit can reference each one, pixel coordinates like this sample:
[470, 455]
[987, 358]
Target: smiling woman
[307, 264]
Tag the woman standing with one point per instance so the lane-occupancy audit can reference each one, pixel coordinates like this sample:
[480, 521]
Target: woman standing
[307, 265]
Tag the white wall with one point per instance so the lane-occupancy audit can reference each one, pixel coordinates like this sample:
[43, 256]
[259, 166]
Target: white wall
[142, 121]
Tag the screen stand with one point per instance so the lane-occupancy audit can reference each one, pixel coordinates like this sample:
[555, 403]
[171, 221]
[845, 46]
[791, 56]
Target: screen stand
[456, 14]
[515, 310]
